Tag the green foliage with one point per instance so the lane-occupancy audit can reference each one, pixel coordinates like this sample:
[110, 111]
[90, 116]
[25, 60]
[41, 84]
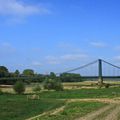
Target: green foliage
[82, 93]
[3, 71]
[17, 73]
[107, 85]
[19, 87]
[37, 88]
[1, 92]
[28, 72]
[17, 107]
[74, 110]
[71, 77]
[52, 75]
[52, 84]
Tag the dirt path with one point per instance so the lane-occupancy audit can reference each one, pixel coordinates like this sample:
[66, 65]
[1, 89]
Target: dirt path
[93, 115]
[105, 100]
[52, 112]
[109, 112]
[114, 114]
[114, 107]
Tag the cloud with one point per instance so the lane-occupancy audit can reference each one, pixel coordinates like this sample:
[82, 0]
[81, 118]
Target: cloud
[65, 58]
[73, 56]
[98, 44]
[16, 10]
[15, 7]
[54, 60]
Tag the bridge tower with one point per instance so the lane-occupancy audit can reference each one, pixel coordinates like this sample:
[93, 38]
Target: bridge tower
[100, 77]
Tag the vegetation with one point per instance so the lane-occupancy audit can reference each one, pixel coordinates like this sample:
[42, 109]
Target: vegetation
[50, 100]
[17, 107]
[37, 88]
[17, 73]
[82, 93]
[74, 110]
[19, 87]
[1, 92]
[3, 71]
[28, 72]
[20, 106]
[28, 76]
[71, 77]
[53, 84]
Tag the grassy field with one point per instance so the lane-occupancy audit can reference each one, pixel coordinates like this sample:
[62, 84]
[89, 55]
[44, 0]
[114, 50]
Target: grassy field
[74, 110]
[82, 93]
[17, 107]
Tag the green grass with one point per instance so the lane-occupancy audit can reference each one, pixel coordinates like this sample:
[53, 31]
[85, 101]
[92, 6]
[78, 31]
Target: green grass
[74, 110]
[17, 107]
[83, 93]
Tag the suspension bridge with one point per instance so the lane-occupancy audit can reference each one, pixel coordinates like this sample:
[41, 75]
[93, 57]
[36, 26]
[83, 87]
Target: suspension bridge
[98, 69]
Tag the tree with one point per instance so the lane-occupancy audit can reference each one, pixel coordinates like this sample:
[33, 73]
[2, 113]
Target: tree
[52, 75]
[70, 77]
[28, 72]
[17, 73]
[4, 71]
[19, 87]
[53, 84]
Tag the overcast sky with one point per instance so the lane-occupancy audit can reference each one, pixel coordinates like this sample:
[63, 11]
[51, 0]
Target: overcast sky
[57, 35]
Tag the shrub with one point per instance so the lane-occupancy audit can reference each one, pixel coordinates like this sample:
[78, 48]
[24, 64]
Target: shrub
[37, 88]
[107, 85]
[1, 92]
[19, 87]
[54, 84]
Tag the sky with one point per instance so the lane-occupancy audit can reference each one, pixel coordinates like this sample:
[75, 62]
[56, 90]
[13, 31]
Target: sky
[57, 35]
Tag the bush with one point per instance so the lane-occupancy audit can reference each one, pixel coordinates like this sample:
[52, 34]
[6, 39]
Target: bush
[37, 88]
[53, 84]
[107, 85]
[1, 92]
[19, 87]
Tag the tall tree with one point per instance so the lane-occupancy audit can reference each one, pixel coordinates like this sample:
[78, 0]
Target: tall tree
[3, 71]
[28, 72]
[17, 73]
[52, 75]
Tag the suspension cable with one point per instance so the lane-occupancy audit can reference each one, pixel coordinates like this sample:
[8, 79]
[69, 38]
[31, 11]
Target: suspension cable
[81, 67]
[111, 64]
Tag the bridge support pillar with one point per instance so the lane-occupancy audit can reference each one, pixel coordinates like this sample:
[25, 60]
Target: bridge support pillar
[100, 78]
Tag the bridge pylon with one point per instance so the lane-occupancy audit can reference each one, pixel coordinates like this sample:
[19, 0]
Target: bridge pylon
[100, 77]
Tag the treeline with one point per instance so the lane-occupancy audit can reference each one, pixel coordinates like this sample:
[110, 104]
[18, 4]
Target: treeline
[28, 76]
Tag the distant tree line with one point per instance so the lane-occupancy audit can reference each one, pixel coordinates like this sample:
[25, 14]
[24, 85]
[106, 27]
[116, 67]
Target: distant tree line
[28, 76]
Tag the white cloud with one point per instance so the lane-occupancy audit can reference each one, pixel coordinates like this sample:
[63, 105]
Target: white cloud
[98, 44]
[52, 60]
[15, 7]
[17, 10]
[65, 58]
[73, 56]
